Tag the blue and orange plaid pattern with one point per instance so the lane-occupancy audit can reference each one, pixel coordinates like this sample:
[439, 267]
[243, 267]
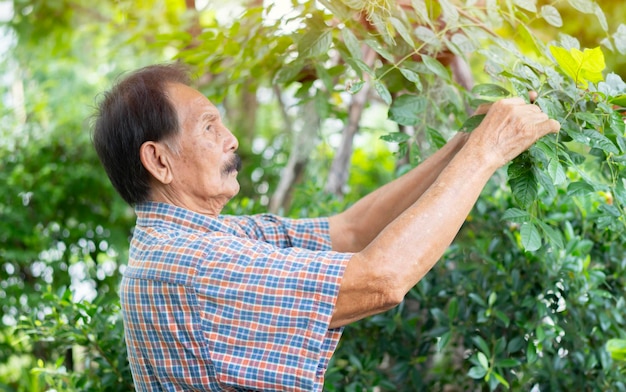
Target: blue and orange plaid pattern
[229, 304]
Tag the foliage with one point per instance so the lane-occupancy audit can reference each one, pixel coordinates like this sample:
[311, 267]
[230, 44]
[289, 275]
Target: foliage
[530, 296]
[64, 231]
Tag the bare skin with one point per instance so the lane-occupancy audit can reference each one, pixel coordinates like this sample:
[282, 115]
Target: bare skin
[200, 176]
[378, 277]
[396, 233]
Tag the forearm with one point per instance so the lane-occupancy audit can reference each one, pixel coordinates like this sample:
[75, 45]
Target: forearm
[378, 277]
[362, 222]
[414, 242]
[410, 245]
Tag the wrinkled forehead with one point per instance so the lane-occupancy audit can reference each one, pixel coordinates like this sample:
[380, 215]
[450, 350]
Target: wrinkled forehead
[191, 105]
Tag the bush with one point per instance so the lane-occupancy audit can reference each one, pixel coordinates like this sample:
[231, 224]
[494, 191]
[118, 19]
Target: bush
[529, 297]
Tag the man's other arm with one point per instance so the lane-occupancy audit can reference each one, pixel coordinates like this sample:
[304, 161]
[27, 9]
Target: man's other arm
[378, 276]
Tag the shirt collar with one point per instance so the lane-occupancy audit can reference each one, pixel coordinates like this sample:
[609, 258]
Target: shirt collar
[156, 214]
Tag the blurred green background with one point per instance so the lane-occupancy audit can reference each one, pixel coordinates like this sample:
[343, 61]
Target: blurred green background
[64, 232]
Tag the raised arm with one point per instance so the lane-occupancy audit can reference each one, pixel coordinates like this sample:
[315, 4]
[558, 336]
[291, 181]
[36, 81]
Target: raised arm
[378, 277]
[353, 229]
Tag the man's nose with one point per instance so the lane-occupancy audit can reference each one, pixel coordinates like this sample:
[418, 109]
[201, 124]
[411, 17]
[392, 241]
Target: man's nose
[230, 143]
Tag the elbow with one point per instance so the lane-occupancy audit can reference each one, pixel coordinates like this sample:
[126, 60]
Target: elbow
[367, 289]
[347, 235]
[391, 292]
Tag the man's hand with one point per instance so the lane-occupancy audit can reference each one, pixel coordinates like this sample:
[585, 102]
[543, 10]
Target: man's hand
[484, 108]
[510, 127]
[383, 270]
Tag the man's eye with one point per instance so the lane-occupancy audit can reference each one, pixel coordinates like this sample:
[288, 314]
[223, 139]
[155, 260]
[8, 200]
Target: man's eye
[209, 127]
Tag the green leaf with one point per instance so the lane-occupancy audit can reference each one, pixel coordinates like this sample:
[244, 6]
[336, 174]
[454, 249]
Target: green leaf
[516, 215]
[476, 372]
[420, 8]
[395, 137]
[482, 359]
[501, 379]
[553, 235]
[619, 100]
[611, 210]
[500, 345]
[443, 340]
[531, 240]
[556, 171]
[617, 349]
[351, 42]
[528, 5]
[477, 299]
[288, 72]
[315, 44]
[589, 118]
[620, 191]
[450, 13]
[546, 182]
[402, 30]
[551, 15]
[324, 76]
[405, 109]
[492, 298]
[480, 343]
[453, 308]
[600, 141]
[515, 344]
[322, 104]
[359, 64]
[524, 187]
[436, 67]
[583, 67]
[579, 188]
[427, 36]
[490, 90]
[338, 9]
[502, 317]
[597, 10]
[435, 137]
[382, 91]
[460, 44]
[619, 37]
[529, 38]
[380, 49]
[413, 77]
[355, 87]
[531, 352]
[584, 6]
[472, 123]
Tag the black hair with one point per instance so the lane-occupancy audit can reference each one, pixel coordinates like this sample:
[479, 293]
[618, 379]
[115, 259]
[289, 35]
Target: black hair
[135, 110]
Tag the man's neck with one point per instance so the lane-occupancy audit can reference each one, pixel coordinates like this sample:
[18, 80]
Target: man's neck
[211, 207]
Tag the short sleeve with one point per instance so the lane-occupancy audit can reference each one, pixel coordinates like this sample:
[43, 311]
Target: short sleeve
[266, 312]
[309, 233]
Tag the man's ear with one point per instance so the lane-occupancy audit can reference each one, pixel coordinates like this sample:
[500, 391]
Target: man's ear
[155, 157]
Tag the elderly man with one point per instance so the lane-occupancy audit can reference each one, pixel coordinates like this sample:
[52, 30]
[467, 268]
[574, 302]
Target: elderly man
[213, 302]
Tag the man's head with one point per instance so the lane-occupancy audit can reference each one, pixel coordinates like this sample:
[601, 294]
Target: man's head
[159, 139]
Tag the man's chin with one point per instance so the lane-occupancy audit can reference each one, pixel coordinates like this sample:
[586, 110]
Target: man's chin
[235, 191]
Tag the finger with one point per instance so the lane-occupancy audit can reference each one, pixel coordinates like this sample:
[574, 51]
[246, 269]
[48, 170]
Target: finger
[514, 101]
[483, 108]
[548, 126]
[532, 96]
[554, 125]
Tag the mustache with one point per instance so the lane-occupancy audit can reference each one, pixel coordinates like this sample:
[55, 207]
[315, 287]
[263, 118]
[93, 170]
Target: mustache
[234, 164]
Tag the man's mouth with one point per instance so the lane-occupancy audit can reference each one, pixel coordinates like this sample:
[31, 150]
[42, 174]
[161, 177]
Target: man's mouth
[234, 164]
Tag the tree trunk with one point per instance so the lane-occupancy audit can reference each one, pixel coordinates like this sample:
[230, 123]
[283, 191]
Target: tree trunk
[304, 140]
[339, 170]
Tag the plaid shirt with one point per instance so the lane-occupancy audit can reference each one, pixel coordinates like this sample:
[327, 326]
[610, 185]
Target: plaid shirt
[235, 303]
